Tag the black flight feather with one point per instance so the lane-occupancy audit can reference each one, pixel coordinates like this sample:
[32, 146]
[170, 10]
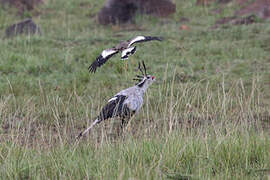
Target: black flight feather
[100, 60]
[114, 108]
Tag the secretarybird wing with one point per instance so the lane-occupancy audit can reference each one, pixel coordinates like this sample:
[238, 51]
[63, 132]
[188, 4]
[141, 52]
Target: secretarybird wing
[102, 58]
[139, 39]
[113, 108]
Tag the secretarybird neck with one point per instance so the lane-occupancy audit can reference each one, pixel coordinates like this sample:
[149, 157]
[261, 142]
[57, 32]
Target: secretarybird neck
[144, 83]
[142, 86]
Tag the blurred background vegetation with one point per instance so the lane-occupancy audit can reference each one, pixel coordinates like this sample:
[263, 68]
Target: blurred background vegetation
[206, 117]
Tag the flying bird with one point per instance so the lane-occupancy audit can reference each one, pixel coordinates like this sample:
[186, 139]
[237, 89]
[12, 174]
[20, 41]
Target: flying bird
[125, 47]
[125, 103]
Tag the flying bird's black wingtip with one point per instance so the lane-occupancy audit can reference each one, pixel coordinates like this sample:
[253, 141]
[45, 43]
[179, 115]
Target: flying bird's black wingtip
[149, 38]
[100, 60]
[159, 38]
[92, 69]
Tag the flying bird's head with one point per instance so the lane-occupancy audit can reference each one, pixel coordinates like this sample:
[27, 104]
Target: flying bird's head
[144, 80]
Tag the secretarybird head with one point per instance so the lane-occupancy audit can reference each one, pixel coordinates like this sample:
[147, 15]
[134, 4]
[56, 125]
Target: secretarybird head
[144, 80]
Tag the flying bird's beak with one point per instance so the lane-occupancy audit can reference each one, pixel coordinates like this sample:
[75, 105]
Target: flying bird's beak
[153, 77]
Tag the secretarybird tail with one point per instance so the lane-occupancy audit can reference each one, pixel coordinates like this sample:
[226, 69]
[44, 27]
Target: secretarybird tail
[85, 131]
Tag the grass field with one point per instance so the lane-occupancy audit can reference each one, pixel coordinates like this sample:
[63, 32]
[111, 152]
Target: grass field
[207, 116]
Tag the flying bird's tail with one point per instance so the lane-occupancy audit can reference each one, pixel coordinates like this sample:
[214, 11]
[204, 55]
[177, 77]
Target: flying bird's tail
[85, 131]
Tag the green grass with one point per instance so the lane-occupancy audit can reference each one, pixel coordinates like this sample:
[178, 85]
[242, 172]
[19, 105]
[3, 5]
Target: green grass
[194, 155]
[205, 117]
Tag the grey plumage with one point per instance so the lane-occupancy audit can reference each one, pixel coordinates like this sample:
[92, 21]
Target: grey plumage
[125, 47]
[126, 103]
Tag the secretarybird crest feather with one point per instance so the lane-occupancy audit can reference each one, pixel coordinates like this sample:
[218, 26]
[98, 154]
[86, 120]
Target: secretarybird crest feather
[125, 47]
[126, 102]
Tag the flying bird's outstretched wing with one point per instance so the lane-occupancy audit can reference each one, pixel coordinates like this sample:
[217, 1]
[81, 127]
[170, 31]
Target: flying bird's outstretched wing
[102, 58]
[138, 39]
[127, 52]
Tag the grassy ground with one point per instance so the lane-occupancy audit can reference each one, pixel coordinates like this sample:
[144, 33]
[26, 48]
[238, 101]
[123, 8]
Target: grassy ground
[206, 116]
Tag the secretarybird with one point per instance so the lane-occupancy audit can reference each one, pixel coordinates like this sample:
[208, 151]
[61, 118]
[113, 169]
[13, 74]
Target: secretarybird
[125, 47]
[125, 103]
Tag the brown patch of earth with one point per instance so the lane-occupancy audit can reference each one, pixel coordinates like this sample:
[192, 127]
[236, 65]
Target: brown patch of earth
[249, 13]
[123, 11]
[260, 8]
[22, 5]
